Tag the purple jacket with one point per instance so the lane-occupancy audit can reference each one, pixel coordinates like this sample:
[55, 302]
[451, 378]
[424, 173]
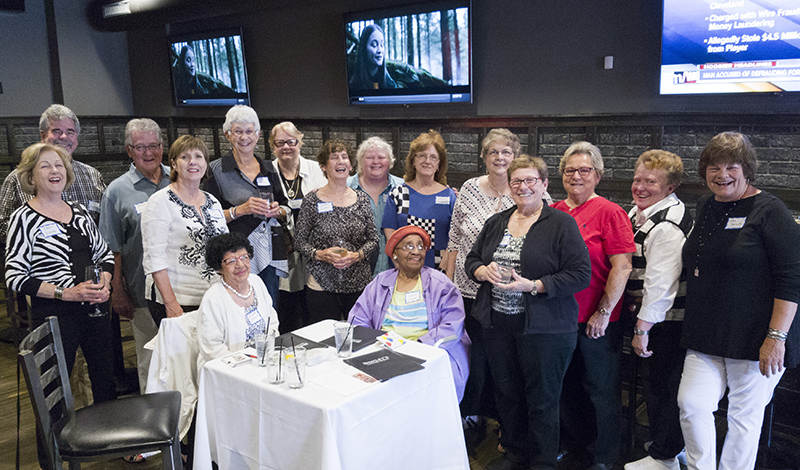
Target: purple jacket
[445, 315]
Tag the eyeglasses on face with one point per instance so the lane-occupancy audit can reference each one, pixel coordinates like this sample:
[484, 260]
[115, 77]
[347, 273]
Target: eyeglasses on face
[583, 171]
[233, 259]
[431, 157]
[504, 152]
[290, 143]
[413, 246]
[528, 182]
[240, 132]
[153, 148]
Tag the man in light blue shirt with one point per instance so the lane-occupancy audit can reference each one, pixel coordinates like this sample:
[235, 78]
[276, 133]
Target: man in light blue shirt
[375, 158]
[120, 226]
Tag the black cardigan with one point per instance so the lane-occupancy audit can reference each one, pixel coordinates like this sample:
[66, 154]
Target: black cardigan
[554, 253]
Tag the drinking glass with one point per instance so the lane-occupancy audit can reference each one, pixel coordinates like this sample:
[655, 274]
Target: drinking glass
[277, 366]
[505, 273]
[262, 344]
[296, 366]
[343, 336]
[94, 273]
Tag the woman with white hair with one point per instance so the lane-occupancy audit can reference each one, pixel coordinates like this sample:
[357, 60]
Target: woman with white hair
[374, 159]
[249, 190]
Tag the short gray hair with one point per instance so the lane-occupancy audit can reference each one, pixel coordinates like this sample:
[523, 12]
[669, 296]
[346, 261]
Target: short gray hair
[583, 148]
[57, 112]
[374, 142]
[503, 137]
[142, 125]
[240, 114]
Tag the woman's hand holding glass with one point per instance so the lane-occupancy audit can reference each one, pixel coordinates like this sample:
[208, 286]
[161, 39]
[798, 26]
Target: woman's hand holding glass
[518, 283]
[88, 291]
[258, 206]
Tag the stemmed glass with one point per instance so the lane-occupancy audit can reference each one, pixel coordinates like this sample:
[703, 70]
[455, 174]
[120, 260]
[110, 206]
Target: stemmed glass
[94, 273]
[340, 250]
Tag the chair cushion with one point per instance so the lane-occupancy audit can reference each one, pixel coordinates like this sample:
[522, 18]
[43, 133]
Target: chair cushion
[130, 425]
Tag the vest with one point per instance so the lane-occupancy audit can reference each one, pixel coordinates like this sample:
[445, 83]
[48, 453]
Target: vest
[678, 216]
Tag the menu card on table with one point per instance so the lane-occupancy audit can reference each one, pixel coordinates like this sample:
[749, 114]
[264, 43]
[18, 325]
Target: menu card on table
[384, 364]
[362, 337]
[285, 340]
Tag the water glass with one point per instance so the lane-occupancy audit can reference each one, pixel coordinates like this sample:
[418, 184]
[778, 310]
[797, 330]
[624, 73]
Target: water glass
[295, 366]
[343, 335]
[277, 366]
[505, 273]
[262, 346]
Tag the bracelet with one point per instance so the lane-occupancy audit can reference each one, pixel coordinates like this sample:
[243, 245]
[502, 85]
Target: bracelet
[232, 212]
[638, 332]
[313, 253]
[59, 293]
[604, 312]
[777, 334]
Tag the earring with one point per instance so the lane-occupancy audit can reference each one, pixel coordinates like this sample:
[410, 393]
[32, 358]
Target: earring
[394, 257]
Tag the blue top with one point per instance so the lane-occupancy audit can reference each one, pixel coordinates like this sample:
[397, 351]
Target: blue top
[377, 212]
[432, 212]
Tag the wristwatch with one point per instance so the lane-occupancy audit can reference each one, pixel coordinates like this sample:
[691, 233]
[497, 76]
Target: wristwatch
[638, 332]
[533, 292]
[604, 312]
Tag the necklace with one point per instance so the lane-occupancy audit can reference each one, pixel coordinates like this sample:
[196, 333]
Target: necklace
[703, 234]
[291, 190]
[236, 292]
[499, 194]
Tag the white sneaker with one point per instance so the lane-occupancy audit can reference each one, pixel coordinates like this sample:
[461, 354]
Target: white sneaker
[649, 463]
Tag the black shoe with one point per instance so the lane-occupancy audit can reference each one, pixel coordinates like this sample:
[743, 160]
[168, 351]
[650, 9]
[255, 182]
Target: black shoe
[504, 463]
[601, 466]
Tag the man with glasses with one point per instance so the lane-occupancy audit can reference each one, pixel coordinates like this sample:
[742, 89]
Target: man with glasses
[120, 226]
[58, 125]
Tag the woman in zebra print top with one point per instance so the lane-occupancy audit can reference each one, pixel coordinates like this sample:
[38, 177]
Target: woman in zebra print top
[49, 244]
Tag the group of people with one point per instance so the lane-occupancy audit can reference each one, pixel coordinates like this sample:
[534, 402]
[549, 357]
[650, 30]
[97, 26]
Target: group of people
[527, 294]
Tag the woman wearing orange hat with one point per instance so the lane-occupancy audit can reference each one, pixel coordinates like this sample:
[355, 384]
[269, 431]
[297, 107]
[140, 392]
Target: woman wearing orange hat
[417, 302]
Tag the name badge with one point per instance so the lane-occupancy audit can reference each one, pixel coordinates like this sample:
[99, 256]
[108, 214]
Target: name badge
[412, 297]
[263, 181]
[323, 207]
[295, 203]
[506, 240]
[49, 229]
[94, 206]
[217, 213]
[384, 198]
[735, 223]
[139, 207]
[253, 316]
[442, 200]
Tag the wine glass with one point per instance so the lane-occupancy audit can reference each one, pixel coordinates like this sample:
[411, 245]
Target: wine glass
[339, 249]
[94, 273]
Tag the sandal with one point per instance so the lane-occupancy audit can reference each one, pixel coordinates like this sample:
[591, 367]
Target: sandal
[136, 458]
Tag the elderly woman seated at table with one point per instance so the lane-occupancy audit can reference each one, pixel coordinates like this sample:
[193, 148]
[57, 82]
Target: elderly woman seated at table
[417, 302]
[237, 307]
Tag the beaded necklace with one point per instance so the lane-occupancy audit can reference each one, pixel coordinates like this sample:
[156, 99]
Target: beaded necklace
[703, 235]
[236, 292]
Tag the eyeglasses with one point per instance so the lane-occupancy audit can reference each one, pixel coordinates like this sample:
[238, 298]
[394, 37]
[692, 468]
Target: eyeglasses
[239, 132]
[290, 143]
[431, 157]
[528, 182]
[140, 149]
[232, 260]
[504, 152]
[411, 247]
[583, 171]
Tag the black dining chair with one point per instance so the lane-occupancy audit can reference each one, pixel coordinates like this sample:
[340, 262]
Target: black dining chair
[108, 430]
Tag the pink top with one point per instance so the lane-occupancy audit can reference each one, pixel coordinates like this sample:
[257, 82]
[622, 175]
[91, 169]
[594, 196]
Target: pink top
[607, 230]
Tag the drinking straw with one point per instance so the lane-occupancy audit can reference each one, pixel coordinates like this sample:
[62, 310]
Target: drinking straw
[280, 356]
[349, 329]
[296, 365]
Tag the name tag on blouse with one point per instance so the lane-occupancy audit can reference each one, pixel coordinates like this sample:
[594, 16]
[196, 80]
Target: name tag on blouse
[263, 181]
[94, 206]
[323, 207]
[253, 316]
[412, 297]
[49, 229]
[139, 207]
[735, 223]
[442, 200]
[216, 213]
[506, 240]
[295, 203]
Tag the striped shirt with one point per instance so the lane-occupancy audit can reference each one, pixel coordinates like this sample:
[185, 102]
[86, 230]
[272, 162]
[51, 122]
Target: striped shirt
[407, 314]
[40, 249]
[87, 189]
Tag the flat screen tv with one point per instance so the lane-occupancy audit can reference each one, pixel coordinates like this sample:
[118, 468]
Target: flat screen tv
[412, 54]
[730, 46]
[208, 69]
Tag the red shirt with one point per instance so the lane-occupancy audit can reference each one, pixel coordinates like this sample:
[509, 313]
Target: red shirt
[607, 231]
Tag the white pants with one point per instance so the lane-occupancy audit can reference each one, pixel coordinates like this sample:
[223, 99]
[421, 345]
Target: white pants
[703, 384]
[144, 329]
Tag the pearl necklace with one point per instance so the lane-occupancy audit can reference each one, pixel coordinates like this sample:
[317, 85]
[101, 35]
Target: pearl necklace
[238, 294]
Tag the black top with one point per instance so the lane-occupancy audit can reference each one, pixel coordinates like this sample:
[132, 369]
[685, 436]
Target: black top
[554, 253]
[739, 258]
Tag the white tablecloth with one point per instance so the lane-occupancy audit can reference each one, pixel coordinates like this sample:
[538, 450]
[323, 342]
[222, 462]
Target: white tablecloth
[409, 422]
